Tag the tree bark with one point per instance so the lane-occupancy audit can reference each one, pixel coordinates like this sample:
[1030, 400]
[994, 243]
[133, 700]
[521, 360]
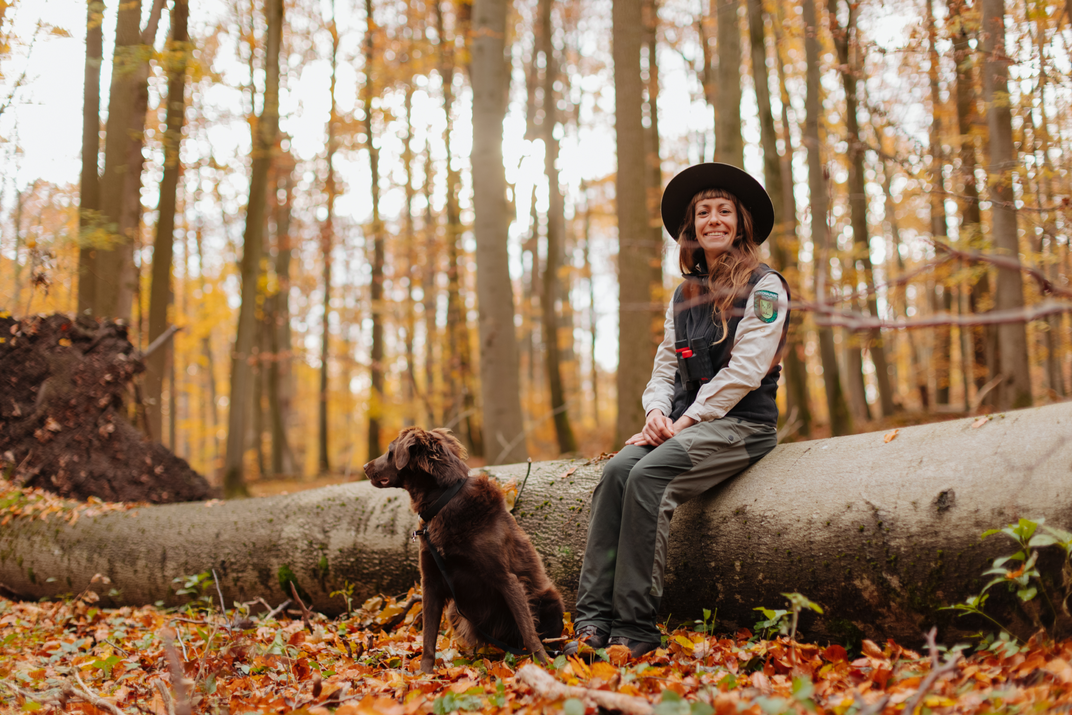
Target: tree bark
[1015, 388]
[327, 246]
[280, 372]
[504, 429]
[376, 369]
[551, 289]
[943, 362]
[837, 407]
[983, 338]
[729, 146]
[120, 187]
[459, 380]
[844, 41]
[777, 175]
[160, 292]
[89, 190]
[267, 129]
[636, 317]
[881, 558]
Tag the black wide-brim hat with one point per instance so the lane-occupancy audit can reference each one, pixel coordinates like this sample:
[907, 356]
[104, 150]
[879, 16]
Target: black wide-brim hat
[696, 178]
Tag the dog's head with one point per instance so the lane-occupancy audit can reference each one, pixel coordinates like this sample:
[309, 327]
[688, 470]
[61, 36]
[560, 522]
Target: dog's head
[419, 458]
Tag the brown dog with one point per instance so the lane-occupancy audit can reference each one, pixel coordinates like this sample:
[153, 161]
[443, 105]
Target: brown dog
[500, 586]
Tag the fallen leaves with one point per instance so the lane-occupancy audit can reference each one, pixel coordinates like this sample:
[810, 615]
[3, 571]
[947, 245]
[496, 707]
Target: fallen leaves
[97, 659]
[890, 436]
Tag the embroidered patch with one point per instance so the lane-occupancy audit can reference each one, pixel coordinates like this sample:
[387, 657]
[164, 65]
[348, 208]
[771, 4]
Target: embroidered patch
[765, 305]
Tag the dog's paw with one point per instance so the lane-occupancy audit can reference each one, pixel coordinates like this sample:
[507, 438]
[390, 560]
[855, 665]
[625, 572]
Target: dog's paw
[428, 665]
[541, 655]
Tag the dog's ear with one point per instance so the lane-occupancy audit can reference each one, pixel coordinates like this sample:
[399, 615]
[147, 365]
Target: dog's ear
[448, 440]
[402, 446]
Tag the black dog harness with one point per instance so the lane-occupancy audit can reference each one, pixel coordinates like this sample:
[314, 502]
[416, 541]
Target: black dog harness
[426, 516]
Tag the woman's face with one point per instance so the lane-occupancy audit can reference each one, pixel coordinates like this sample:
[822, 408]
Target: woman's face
[716, 226]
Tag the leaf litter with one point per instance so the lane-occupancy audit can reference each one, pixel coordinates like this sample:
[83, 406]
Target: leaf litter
[72, 654]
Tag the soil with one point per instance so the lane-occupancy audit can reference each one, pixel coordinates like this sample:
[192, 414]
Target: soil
[65, 424]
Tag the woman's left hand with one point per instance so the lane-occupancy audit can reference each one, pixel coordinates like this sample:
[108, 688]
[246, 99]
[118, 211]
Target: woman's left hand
[642, 439]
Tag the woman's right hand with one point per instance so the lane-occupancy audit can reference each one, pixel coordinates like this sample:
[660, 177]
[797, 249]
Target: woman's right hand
[657, 429]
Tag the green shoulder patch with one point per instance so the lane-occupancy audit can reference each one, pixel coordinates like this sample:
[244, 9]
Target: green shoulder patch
[765, 305]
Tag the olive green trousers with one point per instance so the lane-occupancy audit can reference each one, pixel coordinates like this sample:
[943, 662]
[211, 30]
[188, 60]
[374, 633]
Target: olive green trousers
[621, 580]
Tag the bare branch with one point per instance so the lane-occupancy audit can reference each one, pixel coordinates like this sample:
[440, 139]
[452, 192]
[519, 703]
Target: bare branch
[829, 316]
[1045, 284]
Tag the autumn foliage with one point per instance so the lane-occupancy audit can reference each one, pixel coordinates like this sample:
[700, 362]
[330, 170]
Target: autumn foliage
[71, 654]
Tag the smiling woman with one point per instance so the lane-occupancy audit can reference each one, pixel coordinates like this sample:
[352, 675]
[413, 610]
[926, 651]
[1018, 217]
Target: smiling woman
[710, 404]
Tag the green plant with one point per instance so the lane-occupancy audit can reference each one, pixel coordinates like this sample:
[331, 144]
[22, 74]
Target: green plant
[784, 622]
[197, 586]
[703, 626]
[1025, 579]
[776, 622]
[347, 593]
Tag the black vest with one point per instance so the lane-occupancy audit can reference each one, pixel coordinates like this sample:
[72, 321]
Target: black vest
[693, 319]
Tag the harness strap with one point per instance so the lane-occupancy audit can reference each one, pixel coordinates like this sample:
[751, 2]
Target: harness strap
[426, 516]
[431, 512]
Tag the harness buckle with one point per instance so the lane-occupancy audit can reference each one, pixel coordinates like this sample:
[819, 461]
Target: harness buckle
[419, 532]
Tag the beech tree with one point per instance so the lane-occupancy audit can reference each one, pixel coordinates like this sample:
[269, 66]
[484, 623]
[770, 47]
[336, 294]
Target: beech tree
[1015, 387]
[160, 298]
[264, 143]
[635, 248]
[504, 431]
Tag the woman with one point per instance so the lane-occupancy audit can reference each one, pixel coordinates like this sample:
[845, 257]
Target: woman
[710, 403]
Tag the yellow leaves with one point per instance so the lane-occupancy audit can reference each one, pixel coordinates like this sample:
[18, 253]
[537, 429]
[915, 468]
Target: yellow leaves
[890, 436]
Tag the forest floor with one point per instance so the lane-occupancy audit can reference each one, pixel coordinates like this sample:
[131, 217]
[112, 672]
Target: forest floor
[72, 656]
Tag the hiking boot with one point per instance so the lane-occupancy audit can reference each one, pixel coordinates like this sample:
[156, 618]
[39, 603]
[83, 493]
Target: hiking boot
[590, 636]
[636, 648]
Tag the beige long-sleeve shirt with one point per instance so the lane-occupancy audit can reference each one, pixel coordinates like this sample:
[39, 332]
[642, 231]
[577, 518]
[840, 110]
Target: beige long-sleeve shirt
[752, 357]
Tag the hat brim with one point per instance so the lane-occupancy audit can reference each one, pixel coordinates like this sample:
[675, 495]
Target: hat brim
[712, 175]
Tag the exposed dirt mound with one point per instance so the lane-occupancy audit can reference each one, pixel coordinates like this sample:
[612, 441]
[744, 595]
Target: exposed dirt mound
[63, 390]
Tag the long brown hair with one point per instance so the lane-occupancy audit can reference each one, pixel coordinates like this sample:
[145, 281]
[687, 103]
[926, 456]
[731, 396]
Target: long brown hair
[728, 278]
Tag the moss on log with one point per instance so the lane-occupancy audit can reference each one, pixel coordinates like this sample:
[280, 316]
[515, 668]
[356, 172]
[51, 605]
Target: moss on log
[881, 534]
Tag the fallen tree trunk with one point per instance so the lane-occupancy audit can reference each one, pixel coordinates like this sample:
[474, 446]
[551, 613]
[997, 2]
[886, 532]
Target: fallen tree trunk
[881, 534]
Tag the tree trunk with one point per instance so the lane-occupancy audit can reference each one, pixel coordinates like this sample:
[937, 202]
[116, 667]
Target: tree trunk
[881, 558]
[458, 377]
[89, 191]
[429, 274]
[556, 219]
[327, 246]
[777, 175]
[983, 338]
[120, 187]
[917, 379]
[943, 338]
[375, 406]
[504, 429]
[160, 293]
[840, 420]
[280, 375]
[844, 41]
[1015, 388]
[267, 129]
[729, 146]
[413, 257]
[636, 344]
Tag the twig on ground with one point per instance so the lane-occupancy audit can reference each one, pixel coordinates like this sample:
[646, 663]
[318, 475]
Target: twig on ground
[273, 612]
[59, 696]
[223, 605]
[874, 708]
[165, 695]
[547, 687]
[305, 612]
[393, 623]
[178, 684]
[937, 671]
